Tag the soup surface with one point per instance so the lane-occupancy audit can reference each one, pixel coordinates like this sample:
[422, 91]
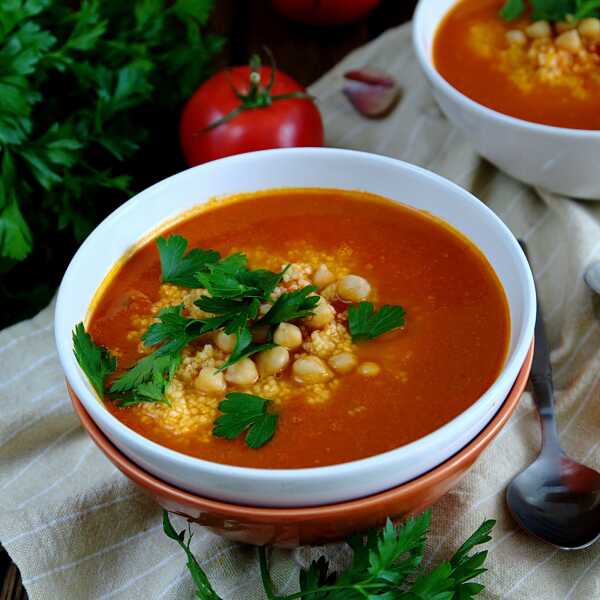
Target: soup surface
[537, 74]
[386, 392]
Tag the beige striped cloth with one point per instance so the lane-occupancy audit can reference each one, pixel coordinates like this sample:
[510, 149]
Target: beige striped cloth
[79, 530]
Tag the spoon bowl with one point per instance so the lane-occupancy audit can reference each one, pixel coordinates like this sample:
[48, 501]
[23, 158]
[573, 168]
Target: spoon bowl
[558, 500]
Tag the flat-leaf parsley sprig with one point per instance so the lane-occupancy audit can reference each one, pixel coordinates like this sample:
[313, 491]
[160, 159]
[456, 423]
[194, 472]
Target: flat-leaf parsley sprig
[385, 565]
[551, 10]
[366, 323]
[244, 412]
[96, 362]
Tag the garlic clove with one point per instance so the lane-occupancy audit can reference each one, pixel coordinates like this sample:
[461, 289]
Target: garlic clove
[372, 92]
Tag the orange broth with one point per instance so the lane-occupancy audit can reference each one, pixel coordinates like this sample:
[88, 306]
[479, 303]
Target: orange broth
[472, 53]
[451, 349]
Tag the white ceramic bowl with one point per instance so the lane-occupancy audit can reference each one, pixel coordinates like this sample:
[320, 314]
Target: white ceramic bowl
[564, 161]
[302, 167]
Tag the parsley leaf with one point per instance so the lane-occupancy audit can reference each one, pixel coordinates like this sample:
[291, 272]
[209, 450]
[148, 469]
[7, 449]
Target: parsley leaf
[366, 324]
[148, 378]
[316, 576]
[95, 361]
[586, 8]
[512, 9]
[180, 268]
[172, 325]
[204, 590]
[232, 315]
[231, 278]
[243, 412]
[261, 280]
[291, 305]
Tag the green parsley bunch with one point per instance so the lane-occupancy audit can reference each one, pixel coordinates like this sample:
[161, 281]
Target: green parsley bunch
[386, 565]
[82, 86]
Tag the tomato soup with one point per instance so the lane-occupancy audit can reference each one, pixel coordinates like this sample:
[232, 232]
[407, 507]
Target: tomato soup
[541, 72]
[337, 393]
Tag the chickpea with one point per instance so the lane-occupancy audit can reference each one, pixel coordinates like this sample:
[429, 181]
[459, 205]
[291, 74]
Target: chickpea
[343, 363]
[369, 369]
[311, 369]
[242, 373]
[590, 28]
[210, 381]
[323, 277]
[225, 341]
[272, 361]
[288, 335]
[323, 314]
[353, 288]
[515, 36]
[539, 29]
[569, 40]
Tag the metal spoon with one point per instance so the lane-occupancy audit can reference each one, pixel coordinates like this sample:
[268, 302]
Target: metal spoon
[555, 498]
[592, 276]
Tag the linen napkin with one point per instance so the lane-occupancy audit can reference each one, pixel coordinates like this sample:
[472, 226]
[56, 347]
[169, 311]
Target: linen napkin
[79, 530]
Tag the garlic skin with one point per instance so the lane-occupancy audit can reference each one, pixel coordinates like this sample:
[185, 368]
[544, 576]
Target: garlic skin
[372, 92]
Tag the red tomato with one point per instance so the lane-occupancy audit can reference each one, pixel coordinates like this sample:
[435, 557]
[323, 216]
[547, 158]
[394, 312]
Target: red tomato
[325, 12]
[275, 123]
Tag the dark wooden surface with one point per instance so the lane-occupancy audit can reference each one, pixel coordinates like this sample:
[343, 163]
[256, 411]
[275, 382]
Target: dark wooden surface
[305, 53]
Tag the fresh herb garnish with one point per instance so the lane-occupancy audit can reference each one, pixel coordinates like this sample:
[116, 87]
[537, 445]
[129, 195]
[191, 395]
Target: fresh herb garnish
[243, 412]
[96, 362]
[244, 347]
[385, 565]
[513, 9]
[223, 278]
[232, 315]
[204, 590]
[292, 305]
[235, 294]
[148, 378]
[180, 268]
[231, 278]
[366, 324]
[552, 10]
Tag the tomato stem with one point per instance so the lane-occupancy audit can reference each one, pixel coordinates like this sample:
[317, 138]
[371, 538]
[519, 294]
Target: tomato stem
[257, 96]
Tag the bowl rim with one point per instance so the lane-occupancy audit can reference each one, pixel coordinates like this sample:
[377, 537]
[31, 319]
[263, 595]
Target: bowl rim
[426, 61]
[80, 383]
[157, 486]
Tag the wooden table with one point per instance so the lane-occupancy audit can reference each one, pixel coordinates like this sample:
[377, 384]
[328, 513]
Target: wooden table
[305, 53]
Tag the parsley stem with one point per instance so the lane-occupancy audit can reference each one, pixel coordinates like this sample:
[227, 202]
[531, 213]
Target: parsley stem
[268, 583]
[264, 574]
[329, 588]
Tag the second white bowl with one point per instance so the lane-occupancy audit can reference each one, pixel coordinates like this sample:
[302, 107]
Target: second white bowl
[564, 161]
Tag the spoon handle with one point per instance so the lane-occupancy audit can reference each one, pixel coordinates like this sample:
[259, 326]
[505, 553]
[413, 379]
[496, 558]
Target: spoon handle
[541, 379]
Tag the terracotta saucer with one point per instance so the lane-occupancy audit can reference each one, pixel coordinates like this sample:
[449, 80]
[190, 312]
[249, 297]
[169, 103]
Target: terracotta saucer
[316, 524]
